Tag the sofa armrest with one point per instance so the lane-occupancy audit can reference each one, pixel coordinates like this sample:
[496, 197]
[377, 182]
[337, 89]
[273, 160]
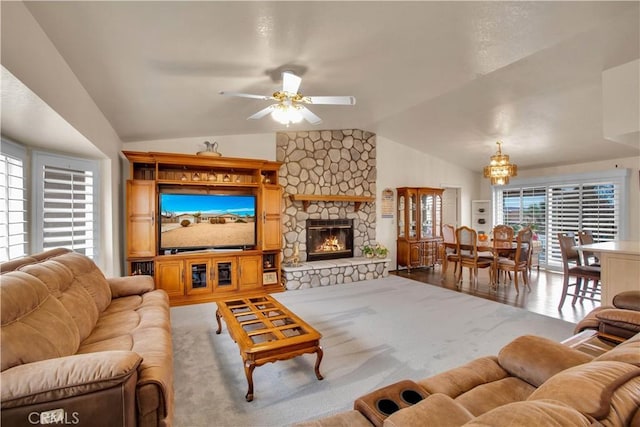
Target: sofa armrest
[535, 359]
[629, 300]
[436, 410]
[130, 285]
[64, 377]
[620, 318]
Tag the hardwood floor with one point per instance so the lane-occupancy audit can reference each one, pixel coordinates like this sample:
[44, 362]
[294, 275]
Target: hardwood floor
[546, 288]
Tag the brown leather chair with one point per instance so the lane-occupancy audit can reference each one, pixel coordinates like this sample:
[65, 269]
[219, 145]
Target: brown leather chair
[467, 248]
[573, 268]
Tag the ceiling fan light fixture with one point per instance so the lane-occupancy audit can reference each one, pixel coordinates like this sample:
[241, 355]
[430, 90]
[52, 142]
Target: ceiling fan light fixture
[286, 114]
[500, 169]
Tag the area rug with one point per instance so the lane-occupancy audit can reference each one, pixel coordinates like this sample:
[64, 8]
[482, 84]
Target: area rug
[375, 333]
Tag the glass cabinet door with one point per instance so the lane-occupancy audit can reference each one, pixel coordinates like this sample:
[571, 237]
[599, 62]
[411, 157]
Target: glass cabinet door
[413, 216]
[401, 213]
[426, 225]
[437, 226]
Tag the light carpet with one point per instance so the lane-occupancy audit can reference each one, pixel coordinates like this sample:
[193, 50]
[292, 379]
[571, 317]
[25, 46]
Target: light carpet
[375, 333]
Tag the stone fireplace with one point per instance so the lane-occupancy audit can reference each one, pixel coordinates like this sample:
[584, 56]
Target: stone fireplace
[328, 163]
[329, 239]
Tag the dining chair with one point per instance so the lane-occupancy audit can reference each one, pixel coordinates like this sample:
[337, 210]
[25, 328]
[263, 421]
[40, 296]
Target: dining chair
[573, 268]
[585, 237]
[449, 254]
[467, 248]
[502, 234]
[520, 262]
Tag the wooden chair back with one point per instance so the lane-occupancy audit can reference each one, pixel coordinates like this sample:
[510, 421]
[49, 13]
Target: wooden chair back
[502, 234]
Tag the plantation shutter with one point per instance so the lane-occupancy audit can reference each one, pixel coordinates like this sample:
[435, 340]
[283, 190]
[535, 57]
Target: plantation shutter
[68, 214]
[13, 224]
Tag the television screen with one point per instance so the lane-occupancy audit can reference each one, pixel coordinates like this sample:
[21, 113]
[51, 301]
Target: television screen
[203, 221]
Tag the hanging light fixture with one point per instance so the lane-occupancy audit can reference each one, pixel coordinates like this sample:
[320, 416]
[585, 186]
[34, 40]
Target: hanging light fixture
[286, 114]
[499, 169]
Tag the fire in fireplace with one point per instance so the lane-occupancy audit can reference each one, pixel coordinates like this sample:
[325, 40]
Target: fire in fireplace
[329, 239]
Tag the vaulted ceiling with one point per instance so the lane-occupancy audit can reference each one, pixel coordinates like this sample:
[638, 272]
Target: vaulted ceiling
[448, 78]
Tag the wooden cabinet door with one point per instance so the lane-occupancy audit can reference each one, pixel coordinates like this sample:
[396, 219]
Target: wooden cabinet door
[224, 276]
[141, 219]
[169, 275]
[199, 277]
[249, 272]
[271, 218]
[415, 254]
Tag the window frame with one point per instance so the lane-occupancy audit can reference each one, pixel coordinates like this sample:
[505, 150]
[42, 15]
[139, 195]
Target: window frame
[19, 152]
[42, 159]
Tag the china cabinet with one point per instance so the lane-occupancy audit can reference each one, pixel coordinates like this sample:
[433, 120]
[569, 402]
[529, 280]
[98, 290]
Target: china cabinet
[419, 226]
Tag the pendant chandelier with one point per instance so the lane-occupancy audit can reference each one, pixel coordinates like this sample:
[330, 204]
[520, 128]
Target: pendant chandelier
[499, 169]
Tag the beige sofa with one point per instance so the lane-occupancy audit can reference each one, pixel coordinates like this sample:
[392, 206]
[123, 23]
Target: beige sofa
[81, 349]
[532, 382]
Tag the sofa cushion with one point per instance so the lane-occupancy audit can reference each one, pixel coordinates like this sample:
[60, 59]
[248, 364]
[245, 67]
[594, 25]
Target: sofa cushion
[590, 388]
[628, 351]
[35, 325]
[628, 320]
[535, 359]
[489, 396]
[62, 285]
[459, 380]
[351, 418]
[89, 276]
[536, 413]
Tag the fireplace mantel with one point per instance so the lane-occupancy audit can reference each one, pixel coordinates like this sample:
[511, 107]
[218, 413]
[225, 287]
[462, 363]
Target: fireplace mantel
[306, 199]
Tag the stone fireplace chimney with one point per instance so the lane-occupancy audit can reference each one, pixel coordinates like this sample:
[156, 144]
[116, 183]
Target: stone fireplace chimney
[338, 162]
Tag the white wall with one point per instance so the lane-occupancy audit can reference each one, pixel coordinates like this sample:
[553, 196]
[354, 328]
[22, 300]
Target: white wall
[256, 146]
[31, 57]
[402, 166]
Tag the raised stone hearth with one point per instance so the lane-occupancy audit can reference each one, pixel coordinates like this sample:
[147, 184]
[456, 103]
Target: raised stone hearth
[332, 272]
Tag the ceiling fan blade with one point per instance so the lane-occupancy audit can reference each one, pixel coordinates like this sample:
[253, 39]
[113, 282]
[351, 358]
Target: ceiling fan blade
[290, 82]
[260, 114]
[308, 115]
[334, 100]
[246, 95]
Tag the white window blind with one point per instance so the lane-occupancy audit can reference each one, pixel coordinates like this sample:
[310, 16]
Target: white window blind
[570, 203]
[67, 203]
[13, 223]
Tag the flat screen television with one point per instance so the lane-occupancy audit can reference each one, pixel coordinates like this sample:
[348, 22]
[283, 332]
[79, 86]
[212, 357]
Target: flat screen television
[207, 221]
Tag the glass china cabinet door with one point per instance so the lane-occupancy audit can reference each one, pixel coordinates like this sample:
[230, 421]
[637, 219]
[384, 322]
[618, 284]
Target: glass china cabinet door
[438, 216]
[401, 213]
[426, 227]
[413, 215]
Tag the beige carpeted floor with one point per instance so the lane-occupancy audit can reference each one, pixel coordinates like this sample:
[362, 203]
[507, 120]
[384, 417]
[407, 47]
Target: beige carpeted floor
[374, 333]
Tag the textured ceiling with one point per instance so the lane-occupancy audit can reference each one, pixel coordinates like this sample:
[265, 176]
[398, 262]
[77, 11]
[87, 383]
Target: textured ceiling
[448, 78]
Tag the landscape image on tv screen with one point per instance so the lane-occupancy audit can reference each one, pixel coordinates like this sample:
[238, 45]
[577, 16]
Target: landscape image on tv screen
[195, 221]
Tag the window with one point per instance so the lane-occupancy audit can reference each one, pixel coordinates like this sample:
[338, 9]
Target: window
[591, 202]
[13, 227]
[65, 208]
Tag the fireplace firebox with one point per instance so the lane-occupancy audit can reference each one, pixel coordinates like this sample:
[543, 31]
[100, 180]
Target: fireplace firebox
[329, 239]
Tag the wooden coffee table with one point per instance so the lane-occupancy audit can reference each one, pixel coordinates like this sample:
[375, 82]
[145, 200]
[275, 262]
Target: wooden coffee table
[266, 331]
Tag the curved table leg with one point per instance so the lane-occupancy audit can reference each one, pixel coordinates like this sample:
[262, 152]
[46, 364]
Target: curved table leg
[248, 371]
[318, 360]
[218, 316]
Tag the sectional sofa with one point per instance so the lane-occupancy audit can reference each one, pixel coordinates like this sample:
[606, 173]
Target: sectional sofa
[533, 381]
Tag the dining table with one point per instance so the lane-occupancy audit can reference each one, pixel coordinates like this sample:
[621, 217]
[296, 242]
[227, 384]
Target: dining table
[619, 266]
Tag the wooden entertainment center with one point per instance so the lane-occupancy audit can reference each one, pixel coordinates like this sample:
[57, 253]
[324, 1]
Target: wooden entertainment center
[205, 274]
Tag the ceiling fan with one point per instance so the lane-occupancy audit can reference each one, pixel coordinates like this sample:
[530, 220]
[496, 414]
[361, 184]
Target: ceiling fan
[290, 104]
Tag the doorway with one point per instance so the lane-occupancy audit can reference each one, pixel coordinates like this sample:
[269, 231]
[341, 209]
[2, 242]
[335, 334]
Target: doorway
[451, 206]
